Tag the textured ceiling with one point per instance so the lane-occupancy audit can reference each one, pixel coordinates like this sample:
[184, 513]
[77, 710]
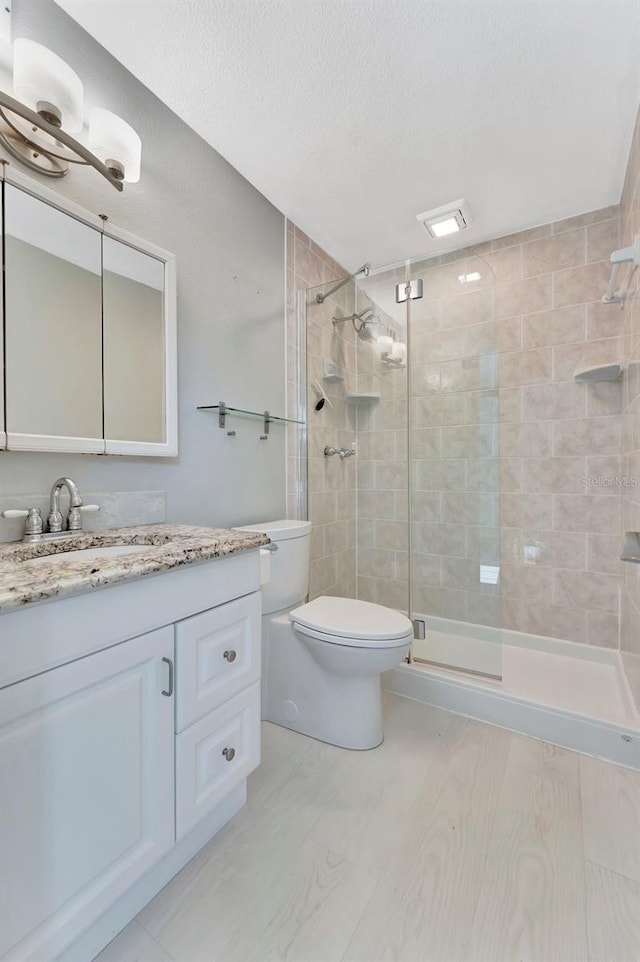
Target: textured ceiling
[352, 116]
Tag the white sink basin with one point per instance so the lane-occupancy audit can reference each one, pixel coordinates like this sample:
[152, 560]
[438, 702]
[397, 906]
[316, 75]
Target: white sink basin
[93, 554]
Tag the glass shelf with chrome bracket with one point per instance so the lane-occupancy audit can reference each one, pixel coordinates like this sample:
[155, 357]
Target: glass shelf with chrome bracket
[225, 411]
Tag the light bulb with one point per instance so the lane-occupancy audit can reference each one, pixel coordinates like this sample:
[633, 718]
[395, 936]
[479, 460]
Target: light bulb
[48, 85]
[116, 144]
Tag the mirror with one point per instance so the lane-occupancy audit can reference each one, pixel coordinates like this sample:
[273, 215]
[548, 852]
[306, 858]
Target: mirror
[53, 327]
[90, 332]
[134, 344]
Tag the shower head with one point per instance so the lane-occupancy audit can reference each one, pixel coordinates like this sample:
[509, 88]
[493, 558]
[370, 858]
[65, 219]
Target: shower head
[363, 323]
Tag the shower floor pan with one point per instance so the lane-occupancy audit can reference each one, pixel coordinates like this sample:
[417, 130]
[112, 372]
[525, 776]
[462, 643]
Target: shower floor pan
[572, 695]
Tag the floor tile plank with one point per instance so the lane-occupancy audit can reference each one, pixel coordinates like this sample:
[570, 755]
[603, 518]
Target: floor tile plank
[545, 759]
[425, 912]
[613, 916]
[133, 944]
[452, 842]
[309, 915]
[532, 902]
[611, 816]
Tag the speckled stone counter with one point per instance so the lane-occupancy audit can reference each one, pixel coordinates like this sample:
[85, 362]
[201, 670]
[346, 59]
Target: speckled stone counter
[162, 548]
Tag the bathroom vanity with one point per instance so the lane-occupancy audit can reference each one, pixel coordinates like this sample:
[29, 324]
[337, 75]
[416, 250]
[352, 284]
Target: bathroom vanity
[129, 722]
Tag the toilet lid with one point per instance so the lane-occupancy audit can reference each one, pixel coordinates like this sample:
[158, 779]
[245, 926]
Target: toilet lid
[353, 620]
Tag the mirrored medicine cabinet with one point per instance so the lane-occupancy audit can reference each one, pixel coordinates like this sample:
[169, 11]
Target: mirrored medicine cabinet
[89, 318]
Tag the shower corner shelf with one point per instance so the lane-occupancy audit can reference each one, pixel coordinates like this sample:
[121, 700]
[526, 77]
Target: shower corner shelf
[361, 397]
[225, 411]
[603, 372]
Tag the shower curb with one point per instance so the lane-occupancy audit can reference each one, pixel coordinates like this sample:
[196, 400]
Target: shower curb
[579, 733]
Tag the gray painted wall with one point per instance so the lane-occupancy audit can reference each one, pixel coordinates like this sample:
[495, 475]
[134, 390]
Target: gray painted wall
[229, 242]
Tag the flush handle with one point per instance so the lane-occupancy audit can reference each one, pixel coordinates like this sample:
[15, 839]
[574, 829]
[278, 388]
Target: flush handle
[229, 753]
[230, 655]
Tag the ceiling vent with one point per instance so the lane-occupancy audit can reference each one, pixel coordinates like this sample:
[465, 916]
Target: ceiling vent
[446, 220]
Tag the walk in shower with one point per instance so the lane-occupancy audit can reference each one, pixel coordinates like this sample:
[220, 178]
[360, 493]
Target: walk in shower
[447, 469]
[412, 388]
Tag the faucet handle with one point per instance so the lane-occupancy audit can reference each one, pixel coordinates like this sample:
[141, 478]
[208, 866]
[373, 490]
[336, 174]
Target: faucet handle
[75, 515]
[74, 521]
[33, 524]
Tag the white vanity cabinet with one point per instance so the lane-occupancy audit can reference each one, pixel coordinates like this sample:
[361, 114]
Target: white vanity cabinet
[217, 656]
[86, 789]
[120, 756]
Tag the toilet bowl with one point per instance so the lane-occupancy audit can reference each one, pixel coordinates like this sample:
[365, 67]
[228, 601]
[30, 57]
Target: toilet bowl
[322, 661]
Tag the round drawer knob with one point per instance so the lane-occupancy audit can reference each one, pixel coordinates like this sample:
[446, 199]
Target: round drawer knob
[231, 655]
[229, 753]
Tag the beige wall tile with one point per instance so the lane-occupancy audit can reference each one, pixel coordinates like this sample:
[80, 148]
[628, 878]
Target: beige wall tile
[552, 549]
[554, 475]
[462, 309]
[588, 513]
[494, 337]
[526, 510]
[546, 402]
[505, 264]
[580, 284]
[603, 320]
[524, 297]
[510, 240]
[589, 591]
[567, 358]
[554, 327]
[602, 239]
[554, 621]
[554, 253]
[532, 440]
[603, 629]
[604, 553]
[526, 367]
[482, 407]
[587, 436]
[469, 374]
[583, 220]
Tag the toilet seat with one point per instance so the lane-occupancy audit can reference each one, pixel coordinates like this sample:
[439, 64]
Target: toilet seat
[352, 623]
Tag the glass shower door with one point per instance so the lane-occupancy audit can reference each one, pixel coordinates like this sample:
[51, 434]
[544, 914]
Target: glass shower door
[380, 402]
[454, 467]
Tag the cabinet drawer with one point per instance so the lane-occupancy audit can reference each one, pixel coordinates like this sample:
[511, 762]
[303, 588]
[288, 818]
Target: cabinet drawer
[217, 655]
[214, 755]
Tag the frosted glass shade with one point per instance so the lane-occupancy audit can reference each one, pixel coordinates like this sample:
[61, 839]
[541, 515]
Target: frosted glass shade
[112, 139]
[40, 76]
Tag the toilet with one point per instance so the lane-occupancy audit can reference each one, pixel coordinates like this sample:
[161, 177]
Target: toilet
[322, 661]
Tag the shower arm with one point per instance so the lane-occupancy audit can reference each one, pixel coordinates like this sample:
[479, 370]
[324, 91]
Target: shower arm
[320, 298]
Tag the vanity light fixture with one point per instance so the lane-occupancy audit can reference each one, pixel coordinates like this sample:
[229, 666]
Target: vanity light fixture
[445, 220]
[37, 123]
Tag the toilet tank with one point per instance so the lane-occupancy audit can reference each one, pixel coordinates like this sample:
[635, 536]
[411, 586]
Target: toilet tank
[289, 582]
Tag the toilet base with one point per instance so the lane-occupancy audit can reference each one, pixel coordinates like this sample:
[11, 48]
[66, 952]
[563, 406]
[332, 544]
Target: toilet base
[300, 694]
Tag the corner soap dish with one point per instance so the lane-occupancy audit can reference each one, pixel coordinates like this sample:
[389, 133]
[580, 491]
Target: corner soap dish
[604, 372]
[363, 397]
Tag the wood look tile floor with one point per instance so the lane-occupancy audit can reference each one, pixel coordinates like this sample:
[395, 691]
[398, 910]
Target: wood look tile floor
[453, 841]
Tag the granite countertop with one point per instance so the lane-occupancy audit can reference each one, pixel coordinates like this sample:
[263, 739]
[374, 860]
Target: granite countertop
[26, 580]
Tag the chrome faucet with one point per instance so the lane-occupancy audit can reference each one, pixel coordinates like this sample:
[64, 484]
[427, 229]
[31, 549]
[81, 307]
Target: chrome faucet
[34, 529]
[75, 503]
